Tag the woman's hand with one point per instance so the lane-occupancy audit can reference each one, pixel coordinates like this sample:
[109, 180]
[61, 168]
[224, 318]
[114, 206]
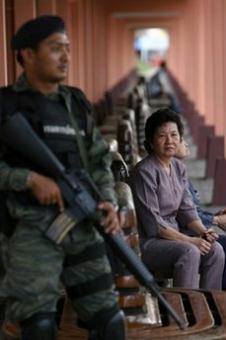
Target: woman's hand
[45, 190]
[110, 221]
[210, 235]
[203, 245]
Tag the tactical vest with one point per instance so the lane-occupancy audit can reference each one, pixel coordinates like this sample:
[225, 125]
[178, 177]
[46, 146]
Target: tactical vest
[50, 120]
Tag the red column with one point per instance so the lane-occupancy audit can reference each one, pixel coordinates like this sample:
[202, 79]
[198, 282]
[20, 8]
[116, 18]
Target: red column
[24, 10]
[201, 59]
[3, 51]
[218, 85]
[209, 65]
[224, 75]
[46, 7]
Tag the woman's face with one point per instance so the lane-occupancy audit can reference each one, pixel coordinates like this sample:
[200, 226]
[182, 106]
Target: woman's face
[166, 141]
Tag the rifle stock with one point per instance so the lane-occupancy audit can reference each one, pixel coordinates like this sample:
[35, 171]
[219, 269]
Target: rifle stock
[26, 143]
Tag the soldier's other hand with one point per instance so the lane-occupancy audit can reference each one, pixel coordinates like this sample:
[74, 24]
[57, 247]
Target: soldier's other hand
[110, 221]
[45, 190]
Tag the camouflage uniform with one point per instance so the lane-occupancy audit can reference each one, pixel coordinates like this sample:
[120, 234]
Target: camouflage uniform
[36, 267]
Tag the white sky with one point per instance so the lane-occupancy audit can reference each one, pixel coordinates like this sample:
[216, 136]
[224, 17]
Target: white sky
[152, 39]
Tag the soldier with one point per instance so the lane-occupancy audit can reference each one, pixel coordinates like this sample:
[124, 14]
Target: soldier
[36, 267]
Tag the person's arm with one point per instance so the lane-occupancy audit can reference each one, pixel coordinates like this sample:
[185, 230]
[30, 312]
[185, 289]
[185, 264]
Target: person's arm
[197, 226]
[12, 179]
[44, 189]
[170, 234]
[206, 217]
[99, 163]
[208, 234]
[100, 160]
[220, 221]
[187, 214]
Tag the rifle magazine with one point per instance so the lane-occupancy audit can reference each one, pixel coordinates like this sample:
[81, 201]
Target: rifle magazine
[60, 227]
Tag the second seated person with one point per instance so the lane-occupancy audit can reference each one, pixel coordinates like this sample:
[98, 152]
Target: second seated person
[163, 202]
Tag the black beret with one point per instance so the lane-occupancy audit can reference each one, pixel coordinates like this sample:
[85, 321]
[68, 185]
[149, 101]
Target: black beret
[35, 30]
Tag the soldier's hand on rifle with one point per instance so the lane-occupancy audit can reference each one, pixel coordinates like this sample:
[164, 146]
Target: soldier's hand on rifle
[110, 221]
[45, 190]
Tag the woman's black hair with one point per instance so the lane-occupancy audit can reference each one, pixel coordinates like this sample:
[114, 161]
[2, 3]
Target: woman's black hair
[157, 119]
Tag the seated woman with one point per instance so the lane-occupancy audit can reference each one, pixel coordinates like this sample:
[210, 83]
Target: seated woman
[163, 203]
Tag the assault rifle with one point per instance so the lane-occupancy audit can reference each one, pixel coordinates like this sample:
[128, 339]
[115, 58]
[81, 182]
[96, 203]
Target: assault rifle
[81, 198]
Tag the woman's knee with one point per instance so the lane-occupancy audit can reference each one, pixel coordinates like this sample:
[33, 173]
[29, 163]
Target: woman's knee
[190, 255]
[218, 253]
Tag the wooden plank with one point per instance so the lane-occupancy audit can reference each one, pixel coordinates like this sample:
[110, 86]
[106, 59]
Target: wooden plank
[127, 281]
[202, 315]
[146, 327]
[131, 301]
[72, 332]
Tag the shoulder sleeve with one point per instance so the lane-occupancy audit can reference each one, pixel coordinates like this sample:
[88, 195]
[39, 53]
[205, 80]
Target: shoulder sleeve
[12, 179]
